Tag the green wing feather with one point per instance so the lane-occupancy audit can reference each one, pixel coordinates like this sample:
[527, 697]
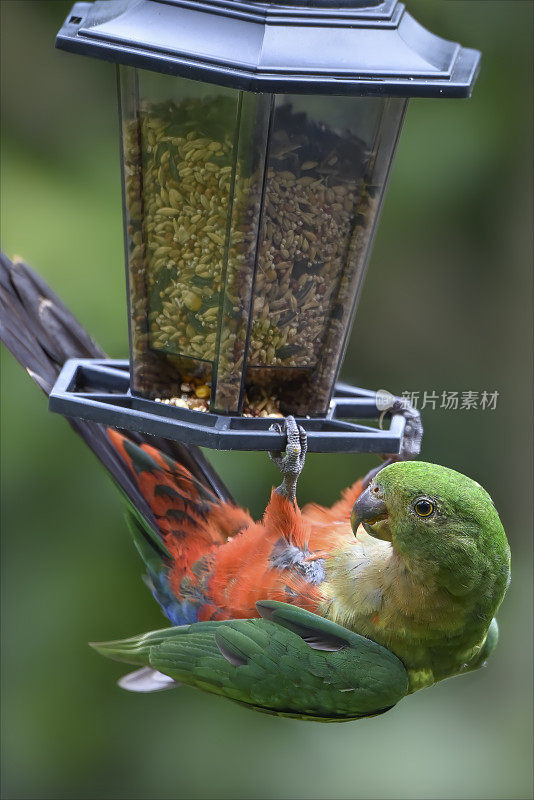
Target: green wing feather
[289, 662]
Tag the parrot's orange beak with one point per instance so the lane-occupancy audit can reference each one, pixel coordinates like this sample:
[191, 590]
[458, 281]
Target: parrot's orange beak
[371, 511]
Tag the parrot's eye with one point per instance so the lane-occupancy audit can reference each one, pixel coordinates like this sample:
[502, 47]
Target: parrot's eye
[424, 508]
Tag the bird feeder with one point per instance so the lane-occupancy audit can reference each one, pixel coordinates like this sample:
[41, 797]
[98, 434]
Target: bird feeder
[257, 140]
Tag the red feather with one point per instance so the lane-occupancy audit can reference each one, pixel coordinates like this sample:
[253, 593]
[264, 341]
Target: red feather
[219, 552]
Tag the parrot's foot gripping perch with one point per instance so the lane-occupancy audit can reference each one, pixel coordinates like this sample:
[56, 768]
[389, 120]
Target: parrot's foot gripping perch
[411, 440]
[292, 461]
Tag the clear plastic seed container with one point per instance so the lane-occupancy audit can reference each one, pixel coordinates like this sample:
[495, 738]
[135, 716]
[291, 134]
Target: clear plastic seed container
[249, 219]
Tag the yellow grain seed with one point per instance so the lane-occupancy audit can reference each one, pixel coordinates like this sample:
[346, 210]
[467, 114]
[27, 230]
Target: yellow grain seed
[175, 198]
[192, 301]
[216, 238]
[138, 252]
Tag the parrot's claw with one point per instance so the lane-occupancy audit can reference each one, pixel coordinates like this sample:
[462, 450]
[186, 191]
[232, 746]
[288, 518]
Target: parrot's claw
[411, 441]
[291, 462]
[413, 430]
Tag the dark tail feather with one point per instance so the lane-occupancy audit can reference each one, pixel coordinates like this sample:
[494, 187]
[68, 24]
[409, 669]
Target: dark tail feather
[42, 334]
[35, 325]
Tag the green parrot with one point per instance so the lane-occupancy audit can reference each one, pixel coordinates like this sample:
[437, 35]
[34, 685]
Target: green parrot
[387, 593]
[321, 613]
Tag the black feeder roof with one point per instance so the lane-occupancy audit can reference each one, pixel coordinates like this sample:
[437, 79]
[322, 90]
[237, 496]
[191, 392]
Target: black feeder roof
[340, 47]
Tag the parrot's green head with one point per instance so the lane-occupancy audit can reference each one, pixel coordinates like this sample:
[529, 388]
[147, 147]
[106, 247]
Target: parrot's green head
[440, 523]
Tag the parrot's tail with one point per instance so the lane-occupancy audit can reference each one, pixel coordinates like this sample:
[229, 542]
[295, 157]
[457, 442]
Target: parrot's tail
[42, 334]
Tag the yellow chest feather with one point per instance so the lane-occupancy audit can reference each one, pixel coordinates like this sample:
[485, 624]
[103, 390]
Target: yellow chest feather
[370, 590]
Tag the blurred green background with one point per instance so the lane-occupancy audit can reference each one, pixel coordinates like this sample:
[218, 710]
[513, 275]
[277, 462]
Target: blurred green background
[446, 306]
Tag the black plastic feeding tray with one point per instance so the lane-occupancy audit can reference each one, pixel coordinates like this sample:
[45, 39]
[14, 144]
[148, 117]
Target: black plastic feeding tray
[99, 390]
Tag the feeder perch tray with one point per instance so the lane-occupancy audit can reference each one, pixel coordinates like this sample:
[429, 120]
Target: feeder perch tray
[98, 390]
